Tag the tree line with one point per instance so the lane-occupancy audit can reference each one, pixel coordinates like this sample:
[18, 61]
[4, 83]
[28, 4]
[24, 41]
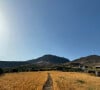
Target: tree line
[27, 69]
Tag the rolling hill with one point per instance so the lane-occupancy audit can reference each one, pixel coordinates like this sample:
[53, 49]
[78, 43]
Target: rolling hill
[41, 61]
[51, 60]
[88, 60]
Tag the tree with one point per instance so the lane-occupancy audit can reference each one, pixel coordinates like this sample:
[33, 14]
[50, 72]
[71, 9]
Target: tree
[1, 71]
[15, 70]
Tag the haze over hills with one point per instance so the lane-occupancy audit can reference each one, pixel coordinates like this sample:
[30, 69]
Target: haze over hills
[51, 60]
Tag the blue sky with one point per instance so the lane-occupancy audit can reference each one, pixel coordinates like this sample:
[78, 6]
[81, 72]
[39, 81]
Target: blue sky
[32, 28]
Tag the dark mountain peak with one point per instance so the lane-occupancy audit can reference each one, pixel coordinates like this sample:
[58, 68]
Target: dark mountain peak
[51, 59]
[90, 57]
[48, 60]
[90, 60]
[93, 56]
[52, 56]
[48, 55]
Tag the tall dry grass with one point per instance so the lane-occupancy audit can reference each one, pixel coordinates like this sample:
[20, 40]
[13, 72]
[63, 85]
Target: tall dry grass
[23, 81]
[75, 81]
[61, 81]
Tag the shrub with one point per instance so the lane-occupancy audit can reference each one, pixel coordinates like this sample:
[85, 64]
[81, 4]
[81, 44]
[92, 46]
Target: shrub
[14, 70]
[1, 71]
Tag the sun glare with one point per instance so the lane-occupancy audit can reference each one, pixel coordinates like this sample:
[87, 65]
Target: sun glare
[4, 30]
[2, 23]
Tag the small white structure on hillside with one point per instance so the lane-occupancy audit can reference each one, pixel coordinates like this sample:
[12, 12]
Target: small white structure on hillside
[84, 67]
[97, 67]
[97, 73]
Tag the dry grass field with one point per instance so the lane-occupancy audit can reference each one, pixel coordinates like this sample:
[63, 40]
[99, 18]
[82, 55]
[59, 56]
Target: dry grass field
[23, 81]
[75, 81]
[61, 81]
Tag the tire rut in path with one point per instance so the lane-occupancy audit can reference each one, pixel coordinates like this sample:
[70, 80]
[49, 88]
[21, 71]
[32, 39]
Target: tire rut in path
[49, 83]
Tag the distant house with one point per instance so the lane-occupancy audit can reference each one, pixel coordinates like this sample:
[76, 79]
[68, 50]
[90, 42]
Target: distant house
[76, 65]
[97, 73]
[84, 67]
[97, 67]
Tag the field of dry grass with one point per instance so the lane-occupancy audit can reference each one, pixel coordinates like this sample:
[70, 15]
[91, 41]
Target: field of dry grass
[23, 81]
[75, 81]
[61, 81]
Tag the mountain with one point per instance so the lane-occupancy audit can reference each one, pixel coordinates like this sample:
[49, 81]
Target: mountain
[49, 60]
[6, 64]
[88, 60]
[41, 61]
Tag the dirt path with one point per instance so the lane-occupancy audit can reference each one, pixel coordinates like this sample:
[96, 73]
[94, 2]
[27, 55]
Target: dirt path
[49, 83]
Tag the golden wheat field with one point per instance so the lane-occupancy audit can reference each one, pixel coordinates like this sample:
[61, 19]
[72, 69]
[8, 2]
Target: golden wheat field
[61, 81]
[23, 81]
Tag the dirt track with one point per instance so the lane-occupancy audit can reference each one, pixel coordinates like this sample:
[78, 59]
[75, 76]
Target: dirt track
[49, 83]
